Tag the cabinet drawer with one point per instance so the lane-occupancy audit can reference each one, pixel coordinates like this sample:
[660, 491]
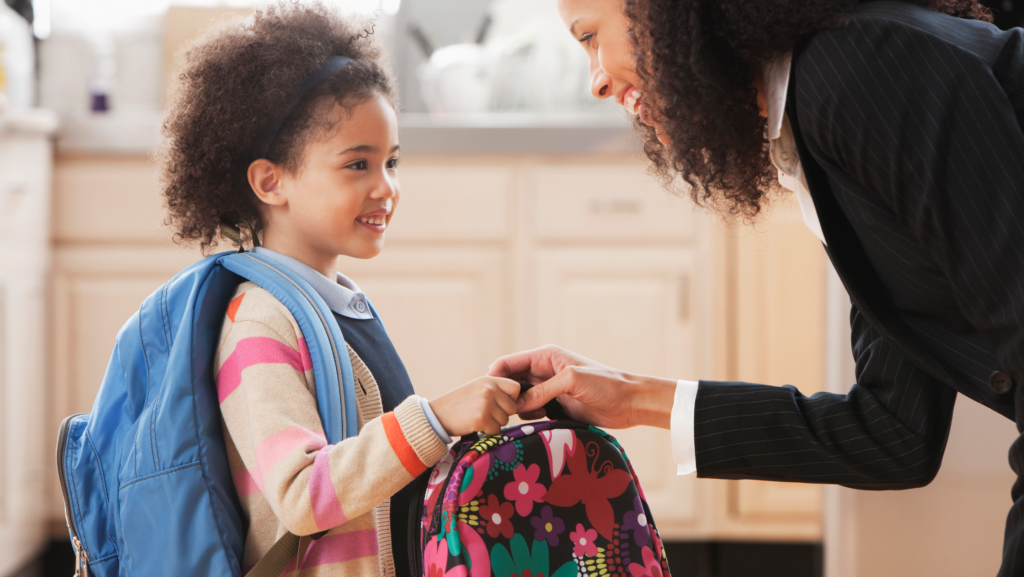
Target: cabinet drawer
[108, 200]
[618, 202]
[452, 203]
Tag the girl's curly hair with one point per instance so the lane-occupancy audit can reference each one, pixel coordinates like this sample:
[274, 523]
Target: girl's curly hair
[235, 80]
[698, 61]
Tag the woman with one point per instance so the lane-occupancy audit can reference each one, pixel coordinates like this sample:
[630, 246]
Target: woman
[897, 125]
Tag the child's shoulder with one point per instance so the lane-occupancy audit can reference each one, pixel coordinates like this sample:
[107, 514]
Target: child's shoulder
[254, 310]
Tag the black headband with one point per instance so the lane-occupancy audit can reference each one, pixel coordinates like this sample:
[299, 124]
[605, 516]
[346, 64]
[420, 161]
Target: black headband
[333, 64]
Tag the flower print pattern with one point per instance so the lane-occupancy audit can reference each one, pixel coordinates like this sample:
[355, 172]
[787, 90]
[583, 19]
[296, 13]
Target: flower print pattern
[584, 541]
[474, 546]
[650, 568]
[547, 527]
[635, 520]
[435, 561]
[594, 485]
[522, 562]
[498, 517]
[524, 489]
[558, 443]
[549, 499]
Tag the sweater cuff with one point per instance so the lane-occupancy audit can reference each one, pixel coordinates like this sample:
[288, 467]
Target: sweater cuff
[417, 430]
[429, 412]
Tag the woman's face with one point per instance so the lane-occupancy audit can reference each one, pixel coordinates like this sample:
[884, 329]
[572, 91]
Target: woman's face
[602, 29]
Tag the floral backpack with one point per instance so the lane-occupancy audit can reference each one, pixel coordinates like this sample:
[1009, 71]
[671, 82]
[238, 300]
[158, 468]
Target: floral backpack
[545, 499]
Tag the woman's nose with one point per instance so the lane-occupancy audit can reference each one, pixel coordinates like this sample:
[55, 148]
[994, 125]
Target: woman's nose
[600, 83]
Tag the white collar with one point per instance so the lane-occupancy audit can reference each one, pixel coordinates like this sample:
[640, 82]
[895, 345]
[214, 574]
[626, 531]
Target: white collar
[342, 296]
[776, 84]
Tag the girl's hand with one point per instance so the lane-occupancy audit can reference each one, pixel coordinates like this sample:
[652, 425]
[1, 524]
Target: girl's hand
[481, 405]
[588, 391]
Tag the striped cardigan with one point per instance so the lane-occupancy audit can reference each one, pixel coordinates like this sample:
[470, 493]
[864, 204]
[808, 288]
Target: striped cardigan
[287, 477]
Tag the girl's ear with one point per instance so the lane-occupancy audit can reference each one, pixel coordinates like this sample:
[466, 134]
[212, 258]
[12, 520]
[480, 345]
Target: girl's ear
[265, 180]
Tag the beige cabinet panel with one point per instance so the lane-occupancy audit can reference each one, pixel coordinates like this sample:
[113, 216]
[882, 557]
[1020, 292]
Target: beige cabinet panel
[442, 307]
[107, 200]
[780, 314]
[452, 203]
[630, 309]
[606, 203]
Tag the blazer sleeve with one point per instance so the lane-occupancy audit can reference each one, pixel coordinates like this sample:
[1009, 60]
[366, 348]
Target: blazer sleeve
[888, 432]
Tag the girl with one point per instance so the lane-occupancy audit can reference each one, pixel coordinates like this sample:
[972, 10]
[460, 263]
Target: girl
[286, 122]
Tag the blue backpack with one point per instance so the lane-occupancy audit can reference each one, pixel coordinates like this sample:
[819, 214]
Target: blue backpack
[145, 477]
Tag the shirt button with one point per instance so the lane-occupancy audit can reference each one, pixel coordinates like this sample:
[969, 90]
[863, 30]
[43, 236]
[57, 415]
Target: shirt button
[360, 306]
[1000, 382]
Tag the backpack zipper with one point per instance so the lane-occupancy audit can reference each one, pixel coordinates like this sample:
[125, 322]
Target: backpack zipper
[334, 346]
[81, 555]
[413, 534]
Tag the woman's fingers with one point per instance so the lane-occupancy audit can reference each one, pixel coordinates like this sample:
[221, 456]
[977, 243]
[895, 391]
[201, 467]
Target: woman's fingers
[539, 395]
[536, 365]
[514, 365]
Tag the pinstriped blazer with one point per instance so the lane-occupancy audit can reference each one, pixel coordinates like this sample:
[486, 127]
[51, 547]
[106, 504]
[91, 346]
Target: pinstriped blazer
[908, 124]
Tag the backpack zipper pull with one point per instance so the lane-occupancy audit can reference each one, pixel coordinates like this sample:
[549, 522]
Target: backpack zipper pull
[81, 559]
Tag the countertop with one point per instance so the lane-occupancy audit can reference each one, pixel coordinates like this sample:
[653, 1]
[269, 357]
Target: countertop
[138, 132]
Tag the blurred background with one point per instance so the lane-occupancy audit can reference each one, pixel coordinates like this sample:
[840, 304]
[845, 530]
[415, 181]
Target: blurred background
[527, 218]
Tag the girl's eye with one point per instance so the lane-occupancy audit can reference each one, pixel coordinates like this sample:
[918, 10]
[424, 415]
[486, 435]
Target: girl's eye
[357, 165]
[393, 164]
[586, 39]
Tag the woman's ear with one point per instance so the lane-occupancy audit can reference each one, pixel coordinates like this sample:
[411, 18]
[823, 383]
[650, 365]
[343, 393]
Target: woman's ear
[265, 180]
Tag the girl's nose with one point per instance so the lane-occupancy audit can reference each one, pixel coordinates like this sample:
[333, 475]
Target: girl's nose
[386, 188]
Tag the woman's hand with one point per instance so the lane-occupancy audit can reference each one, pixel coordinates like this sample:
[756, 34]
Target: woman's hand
[589, 392]
[481, 405]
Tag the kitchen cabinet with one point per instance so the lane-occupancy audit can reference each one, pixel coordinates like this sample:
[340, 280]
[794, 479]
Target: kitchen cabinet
[490, 254]
[26, 160]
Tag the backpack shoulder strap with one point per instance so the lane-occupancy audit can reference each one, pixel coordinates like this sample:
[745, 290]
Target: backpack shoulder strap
[335, 385]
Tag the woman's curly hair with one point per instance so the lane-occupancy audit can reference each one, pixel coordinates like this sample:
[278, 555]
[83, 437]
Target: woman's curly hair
[235, 81]
[698, 61]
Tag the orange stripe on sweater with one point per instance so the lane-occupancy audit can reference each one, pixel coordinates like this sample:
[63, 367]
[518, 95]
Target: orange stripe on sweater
[233, 306]
[410, 460]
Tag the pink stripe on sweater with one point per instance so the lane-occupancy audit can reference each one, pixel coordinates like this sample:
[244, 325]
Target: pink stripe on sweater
[245, 483]
[341, 547]
[307, 359]
[255, 351]
[275, 448]
[326, 508]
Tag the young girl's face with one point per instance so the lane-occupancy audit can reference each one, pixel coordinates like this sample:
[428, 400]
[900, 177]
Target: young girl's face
[342, 199]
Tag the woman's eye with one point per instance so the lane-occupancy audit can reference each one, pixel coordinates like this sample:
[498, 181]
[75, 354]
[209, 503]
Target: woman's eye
[357, 165]
[586, 39]
[393, 164]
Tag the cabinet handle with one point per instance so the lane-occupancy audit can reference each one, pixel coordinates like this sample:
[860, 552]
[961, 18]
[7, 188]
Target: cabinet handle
[10, 195]
[615, 206]
[684, 298]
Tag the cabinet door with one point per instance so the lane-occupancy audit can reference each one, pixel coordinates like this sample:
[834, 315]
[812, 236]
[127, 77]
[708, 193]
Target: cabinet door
[24, 455]
[442, 307]
[631, 309]
[780, 315]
